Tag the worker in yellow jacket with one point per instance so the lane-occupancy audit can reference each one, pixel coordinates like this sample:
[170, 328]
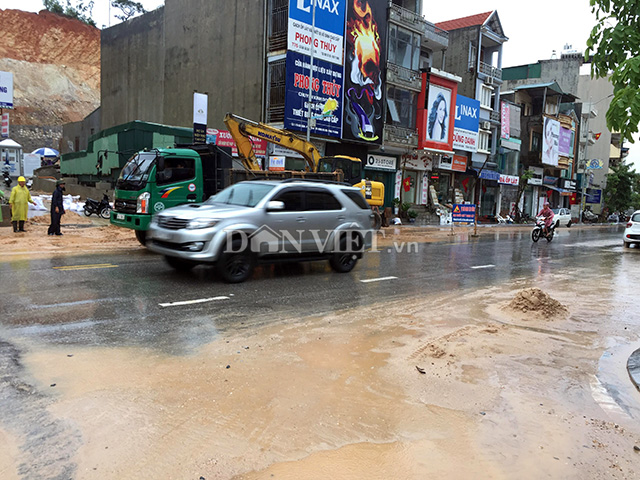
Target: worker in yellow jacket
[20, 197]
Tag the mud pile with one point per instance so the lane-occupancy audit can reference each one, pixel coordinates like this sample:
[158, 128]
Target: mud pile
[536, 301]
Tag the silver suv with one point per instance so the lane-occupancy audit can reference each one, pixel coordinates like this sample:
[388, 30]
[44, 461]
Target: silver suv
[266, 221]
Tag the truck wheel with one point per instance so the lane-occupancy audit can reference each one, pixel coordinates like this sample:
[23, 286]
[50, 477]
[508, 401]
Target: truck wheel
[179, 264]
[235, 266]
[141, 236]
[344, 260]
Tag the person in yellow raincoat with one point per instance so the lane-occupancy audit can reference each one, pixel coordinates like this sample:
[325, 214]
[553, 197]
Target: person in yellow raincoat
[20, 197]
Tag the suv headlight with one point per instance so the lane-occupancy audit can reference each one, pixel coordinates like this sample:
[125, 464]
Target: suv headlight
[142, 205]
[201, 223]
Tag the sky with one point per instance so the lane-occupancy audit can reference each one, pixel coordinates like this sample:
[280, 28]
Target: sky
[534, 30]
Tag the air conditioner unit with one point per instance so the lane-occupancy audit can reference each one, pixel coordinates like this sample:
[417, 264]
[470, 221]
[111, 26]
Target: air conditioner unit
[489, 81]
[485, 125]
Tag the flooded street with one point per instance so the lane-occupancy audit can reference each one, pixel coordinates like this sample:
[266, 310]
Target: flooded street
[419, 364]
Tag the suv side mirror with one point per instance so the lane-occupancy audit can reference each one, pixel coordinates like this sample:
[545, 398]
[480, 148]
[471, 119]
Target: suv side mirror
[275, 205]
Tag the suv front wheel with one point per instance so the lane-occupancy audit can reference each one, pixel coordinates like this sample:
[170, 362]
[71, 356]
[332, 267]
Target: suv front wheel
[350, 249]
[235, 265]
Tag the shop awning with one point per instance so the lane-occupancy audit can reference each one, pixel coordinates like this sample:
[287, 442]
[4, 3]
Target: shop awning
[563, 192]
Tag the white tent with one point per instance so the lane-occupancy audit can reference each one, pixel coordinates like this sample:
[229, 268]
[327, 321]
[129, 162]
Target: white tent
[11, 156]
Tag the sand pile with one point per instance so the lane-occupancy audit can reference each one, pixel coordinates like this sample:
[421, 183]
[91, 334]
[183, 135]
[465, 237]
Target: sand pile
[537, 301]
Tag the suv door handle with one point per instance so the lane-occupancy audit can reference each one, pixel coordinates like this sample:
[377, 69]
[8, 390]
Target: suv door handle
[301, 219]
[342, 218]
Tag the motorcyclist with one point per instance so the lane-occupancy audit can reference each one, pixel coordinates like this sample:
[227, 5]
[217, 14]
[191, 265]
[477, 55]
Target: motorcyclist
[548, 215]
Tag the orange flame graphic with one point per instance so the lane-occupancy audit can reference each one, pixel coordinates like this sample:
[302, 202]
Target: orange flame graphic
[366, 41]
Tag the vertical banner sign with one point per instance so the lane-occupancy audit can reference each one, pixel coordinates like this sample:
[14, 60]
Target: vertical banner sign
[550, 137]
[564, 142]
[467, 122]
[200, 117]
[5, 125]
[326, 95]
[6, 90]
[365, 58]
[505, 118]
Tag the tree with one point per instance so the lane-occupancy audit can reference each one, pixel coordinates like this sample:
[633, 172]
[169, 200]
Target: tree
[621, 190]
[81, 10]
[128, 9]
[614, 45]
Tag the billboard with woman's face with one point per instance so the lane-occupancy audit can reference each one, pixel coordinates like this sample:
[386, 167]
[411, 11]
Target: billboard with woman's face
[438, 114]
[550, 141]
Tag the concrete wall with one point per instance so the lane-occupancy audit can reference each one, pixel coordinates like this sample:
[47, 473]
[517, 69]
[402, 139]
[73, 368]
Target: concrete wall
[152, 64]
[214, 46]
[82, 131]
[132, 70]
[457, 59]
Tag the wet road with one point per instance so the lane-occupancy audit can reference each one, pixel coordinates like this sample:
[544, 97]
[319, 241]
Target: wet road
[136, 299]
[106, 302]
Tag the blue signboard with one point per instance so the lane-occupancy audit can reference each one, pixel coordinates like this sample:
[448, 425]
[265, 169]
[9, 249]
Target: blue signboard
[489, 175]
[463, 213]
[328, 34]
[467, 114]
[326, 105]
[594, 195]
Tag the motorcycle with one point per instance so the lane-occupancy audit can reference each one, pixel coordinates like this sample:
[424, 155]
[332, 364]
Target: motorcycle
[538, 230]
[589, 217]
[7, 178]
[101, 208]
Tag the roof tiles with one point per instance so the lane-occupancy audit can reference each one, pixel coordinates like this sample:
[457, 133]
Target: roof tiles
[464, 22]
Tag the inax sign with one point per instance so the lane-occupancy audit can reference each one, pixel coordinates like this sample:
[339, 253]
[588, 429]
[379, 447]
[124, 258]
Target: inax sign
[6, 90]
[467, 122]
[327, 36]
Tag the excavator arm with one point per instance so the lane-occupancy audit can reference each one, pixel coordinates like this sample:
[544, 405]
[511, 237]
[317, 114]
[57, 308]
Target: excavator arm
[240, 129]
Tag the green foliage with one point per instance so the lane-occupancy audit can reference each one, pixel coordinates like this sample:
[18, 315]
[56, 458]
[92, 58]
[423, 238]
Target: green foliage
[412, 214]
[80, 10]
[405, 206]
[614, 45]
[622, 190]
[396, 202]
[128, 9]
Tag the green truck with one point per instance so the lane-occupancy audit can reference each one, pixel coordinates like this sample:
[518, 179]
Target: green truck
[155, 179]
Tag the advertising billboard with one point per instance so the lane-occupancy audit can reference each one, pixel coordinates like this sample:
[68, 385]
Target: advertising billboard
[326, 95]
[365, 58]
[505, 120]
[328, 34]
[436, 113]
[6, 90]
[550, 137]
[564, 142]
[466, 124]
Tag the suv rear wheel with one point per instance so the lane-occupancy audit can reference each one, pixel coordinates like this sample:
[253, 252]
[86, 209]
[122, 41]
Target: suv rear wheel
[235, 265]
[350, 249]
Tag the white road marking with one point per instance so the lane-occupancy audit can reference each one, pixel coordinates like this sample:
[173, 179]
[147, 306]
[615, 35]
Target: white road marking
[381, 279]
[483, 266]
[190, 302]
[86, 267]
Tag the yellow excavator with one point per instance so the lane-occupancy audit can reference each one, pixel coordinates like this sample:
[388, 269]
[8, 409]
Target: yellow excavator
[241, 128]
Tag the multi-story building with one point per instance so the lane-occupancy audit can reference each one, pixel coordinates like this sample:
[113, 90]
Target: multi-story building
[254, 59]
[475, 55]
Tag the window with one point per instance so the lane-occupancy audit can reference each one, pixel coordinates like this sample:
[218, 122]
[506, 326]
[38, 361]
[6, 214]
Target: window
[509, 162]
[357, 198]
[485, 96]
[276, 89]
[404, 47]
[536, 142]
[472, 56]
[278, 24]
[402, 107]
[177, 170]
[321, 200]
[292, 200]
[483, 141]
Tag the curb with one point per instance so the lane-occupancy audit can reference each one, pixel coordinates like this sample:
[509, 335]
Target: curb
[633, 367]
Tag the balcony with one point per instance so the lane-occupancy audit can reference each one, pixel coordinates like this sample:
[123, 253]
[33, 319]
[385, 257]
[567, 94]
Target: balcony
[404, 77]
[494, 117]
[400, 136]
[491, 71]
[433, 38]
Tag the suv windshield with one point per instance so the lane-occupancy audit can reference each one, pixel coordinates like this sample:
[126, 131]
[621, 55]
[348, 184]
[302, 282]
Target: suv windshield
[135, 173]
[244, 194]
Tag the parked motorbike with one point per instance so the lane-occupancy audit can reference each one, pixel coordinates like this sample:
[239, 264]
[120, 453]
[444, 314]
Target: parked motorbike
[589, 217]
[538, 231]
[101, 208]
[7, 178]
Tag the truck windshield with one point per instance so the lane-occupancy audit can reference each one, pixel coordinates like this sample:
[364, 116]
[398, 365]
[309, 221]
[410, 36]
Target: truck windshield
[135, 173]
[245, 194]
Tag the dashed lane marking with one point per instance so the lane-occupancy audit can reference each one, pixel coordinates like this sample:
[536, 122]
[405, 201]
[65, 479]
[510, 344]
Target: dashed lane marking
[86, 267]
[381, 279]
[191, 302]
[483, 266]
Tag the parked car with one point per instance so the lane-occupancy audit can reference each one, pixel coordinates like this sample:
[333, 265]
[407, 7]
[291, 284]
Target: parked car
[632, 231]
[562, 216]
[265, 221]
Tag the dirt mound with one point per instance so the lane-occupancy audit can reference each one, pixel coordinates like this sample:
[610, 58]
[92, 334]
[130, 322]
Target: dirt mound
[537, 301]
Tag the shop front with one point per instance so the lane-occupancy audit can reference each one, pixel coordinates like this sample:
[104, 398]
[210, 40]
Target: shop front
[508, 194]
[414, 176]
[451, 181]
[488, 194]
[382, 168]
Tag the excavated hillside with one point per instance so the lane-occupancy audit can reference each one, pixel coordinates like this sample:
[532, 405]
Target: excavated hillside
[55, 61]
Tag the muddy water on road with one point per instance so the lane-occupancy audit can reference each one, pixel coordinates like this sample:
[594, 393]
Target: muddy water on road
[504, 394]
